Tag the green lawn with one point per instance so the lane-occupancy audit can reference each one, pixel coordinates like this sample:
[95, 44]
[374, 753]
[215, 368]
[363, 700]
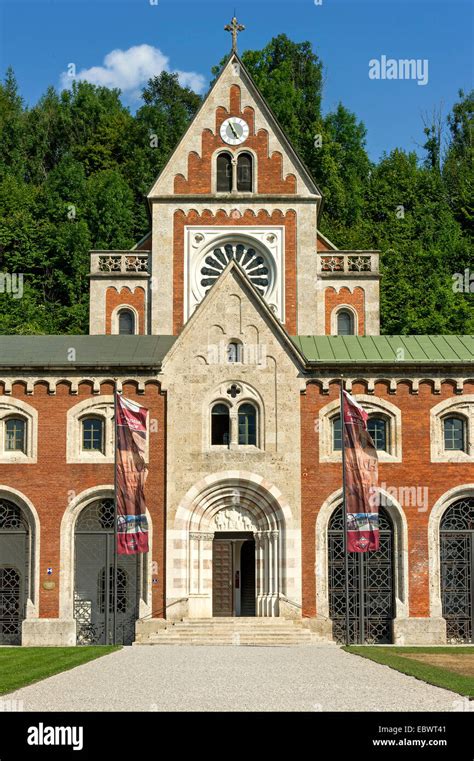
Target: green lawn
[20, 666]
[439, 676]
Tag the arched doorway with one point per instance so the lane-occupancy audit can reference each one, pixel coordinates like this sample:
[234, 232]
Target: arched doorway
[457, 575]
[234, 589]
[15, 574]
[371, 585]
[94, 580]
[230, 505]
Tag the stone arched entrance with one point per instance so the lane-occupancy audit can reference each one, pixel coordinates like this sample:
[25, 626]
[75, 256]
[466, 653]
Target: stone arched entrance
[222, 523]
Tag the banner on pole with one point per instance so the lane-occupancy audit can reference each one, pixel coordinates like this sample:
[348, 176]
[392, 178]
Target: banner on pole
[131, 473]
[361, 476]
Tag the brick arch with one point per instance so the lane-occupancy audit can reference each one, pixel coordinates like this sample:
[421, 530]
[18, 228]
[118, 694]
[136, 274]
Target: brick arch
[125, 297]
[334, 298]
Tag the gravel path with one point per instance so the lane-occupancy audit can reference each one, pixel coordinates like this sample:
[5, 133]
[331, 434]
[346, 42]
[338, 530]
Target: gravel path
[191, 678]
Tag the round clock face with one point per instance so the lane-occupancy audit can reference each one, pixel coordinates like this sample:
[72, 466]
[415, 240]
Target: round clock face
[234, 131]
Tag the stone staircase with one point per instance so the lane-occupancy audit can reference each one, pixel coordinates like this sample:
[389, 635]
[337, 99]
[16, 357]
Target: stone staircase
[228, 631]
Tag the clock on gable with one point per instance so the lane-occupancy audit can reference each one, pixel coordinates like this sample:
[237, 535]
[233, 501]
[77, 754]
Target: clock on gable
[234, 130]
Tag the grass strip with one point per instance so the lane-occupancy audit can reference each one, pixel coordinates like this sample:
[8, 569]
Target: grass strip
[20, 666]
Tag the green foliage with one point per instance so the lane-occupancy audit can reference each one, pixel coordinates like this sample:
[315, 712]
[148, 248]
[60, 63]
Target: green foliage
[74, 170]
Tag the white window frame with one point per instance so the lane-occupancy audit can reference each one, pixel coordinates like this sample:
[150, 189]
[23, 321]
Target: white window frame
[101, 407]
[375, 406]
[115, 319]
[16, 408]
[234, 158]
[247, 395]
[344, 308]
[462, 407]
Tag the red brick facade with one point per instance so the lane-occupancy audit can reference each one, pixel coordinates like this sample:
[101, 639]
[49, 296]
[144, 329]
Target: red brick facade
[125, 297]
[51, 482]
[320, 480]
[344, 296]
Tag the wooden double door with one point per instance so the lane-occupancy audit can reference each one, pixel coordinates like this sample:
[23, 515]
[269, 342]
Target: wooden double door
[233, 575]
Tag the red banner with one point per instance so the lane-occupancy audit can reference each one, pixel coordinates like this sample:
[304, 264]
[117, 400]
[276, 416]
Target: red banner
[361, 476]
[131, 432]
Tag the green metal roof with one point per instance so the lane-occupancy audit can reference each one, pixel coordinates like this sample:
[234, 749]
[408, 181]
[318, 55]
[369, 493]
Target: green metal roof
[90, 351]
[387, 349]
[149, 351]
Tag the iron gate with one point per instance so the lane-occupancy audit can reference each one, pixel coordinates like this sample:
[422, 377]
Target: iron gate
[14, 576]
[94, 580]
[371, 593]
[457, 570]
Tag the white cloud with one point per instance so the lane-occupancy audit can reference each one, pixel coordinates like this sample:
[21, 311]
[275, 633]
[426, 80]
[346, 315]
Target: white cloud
[130, 70]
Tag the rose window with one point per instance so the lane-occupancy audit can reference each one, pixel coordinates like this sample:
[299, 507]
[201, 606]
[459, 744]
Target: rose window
[255, 265]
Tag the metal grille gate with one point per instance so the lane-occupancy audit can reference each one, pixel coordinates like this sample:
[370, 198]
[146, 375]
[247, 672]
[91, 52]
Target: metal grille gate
[14, 576]
[371, 593]
[94, 585]
[457, 570]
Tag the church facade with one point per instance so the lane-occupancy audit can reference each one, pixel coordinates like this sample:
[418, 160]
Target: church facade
[235, 321]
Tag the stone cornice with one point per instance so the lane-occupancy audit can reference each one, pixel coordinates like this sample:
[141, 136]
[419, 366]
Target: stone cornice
[30, 381]
[326, 380]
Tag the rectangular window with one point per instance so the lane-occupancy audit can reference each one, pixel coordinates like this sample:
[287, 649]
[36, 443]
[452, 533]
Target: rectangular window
[454, 434]
[337, 434]
[15, 435]
[93, 435]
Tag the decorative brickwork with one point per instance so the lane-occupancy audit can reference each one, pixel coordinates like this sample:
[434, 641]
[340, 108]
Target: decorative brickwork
[125, 297]
[344, 296]
[270, 179]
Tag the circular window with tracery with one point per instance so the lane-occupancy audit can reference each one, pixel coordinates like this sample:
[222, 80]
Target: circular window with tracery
[255, 263]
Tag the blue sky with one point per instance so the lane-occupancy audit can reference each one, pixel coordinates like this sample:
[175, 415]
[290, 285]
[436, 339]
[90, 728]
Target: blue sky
[39, 39]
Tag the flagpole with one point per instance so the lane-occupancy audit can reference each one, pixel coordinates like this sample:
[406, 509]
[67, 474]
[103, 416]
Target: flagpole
[344, 513]
[115, 517]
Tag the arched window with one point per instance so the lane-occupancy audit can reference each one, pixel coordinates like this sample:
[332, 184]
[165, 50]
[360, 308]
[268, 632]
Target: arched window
[126, 322]
[345, 323]
[224, 173]
[94, 579]
[244, 173]
[371, 577]
[336, 434]
[378, 430]
[93, 434]
[247, 424]
[220, 425]
[15, 435]
[15, 571]
[457, 589]
[454, 433]
[234, 352]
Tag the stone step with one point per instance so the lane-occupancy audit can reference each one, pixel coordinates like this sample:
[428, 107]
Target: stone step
[230, 631]
[169, 639]
[238, 622]
[236, 627]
